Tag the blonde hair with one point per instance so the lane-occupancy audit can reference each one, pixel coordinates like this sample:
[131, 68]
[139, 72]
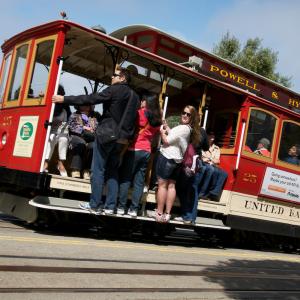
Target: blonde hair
[195, 125]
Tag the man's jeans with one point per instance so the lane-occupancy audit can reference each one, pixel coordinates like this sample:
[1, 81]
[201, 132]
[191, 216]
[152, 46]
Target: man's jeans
[133, 169]
[105, 166]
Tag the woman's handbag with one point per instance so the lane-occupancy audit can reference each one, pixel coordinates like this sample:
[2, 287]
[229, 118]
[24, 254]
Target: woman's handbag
[190, 163]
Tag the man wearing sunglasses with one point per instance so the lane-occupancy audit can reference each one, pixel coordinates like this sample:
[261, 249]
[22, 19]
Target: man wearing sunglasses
[117, 99]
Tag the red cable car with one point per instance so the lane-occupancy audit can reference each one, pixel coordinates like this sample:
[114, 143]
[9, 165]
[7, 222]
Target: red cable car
[243, 109]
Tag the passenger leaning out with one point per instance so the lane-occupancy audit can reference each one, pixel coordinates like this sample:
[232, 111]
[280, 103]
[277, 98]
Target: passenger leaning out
[175, 142]
[262, 147]
[82, 127]
[212, 176]
[135, 160]
[59, 135]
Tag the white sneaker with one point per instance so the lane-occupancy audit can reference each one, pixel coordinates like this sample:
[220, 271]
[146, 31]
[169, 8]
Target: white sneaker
[120, 211]
[132, 213]
[85, 206]
[180, 219]
[109, 212]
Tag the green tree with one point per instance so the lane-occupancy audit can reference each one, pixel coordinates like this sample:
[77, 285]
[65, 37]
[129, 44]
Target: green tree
[253, 56]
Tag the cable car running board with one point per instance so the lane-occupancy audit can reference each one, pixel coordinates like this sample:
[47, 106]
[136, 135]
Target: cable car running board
[69, 205]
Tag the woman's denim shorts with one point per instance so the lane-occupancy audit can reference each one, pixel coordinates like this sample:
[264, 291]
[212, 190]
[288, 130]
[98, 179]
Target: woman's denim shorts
[167, 169]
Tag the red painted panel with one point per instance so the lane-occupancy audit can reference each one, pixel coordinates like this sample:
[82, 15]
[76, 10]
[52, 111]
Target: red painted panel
[249, 177]
[9, 121]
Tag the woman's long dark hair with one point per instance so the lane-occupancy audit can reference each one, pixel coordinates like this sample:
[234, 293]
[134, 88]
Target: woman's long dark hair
[195, 125]
[153, 111]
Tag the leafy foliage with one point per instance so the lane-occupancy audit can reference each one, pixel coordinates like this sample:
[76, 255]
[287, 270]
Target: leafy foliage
[253, 56]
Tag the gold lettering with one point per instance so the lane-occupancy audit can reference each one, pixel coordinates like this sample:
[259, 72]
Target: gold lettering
[247, 84]
[224, 73]
[214, 68]
[294, 102]
[254, 87]
[232, 76]
[275, 95]
[240, 80]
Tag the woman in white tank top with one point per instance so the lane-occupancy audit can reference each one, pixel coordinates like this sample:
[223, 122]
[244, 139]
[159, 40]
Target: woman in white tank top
[175, 142]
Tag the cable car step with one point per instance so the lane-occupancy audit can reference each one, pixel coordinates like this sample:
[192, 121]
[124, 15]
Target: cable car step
[69, 205]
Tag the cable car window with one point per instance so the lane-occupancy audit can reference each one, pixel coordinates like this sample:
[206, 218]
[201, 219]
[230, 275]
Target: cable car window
[6, 65]
[289, 150]
[40, 71]
[260, 133]
[18, 71]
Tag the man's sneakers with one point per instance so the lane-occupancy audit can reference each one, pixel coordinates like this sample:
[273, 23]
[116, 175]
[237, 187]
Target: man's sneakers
[120, 211]
[86, 206]
[180, 219]
[132, 213]
[109, 212]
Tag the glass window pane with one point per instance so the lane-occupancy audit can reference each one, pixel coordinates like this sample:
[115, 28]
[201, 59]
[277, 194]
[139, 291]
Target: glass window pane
[289, 150]
[4, 76]
[260, 133]
[18, 72]
[40, 70]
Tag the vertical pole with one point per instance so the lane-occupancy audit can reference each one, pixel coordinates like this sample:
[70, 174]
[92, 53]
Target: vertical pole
[61, 60]
[205, 119]
[203, 102]
[240, 145]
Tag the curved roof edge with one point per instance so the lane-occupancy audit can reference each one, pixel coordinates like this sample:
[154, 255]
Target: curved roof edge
[125, 31]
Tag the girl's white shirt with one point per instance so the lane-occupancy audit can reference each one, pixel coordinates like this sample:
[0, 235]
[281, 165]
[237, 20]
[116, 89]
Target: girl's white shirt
[178, 139]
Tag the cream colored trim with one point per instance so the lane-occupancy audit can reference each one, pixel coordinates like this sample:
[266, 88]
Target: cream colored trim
[70, 184]
[41, 100]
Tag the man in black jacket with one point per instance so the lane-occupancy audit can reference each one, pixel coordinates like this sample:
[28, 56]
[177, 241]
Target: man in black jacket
[106, 155]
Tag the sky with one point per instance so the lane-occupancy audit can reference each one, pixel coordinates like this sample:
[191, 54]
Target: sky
[200, 22]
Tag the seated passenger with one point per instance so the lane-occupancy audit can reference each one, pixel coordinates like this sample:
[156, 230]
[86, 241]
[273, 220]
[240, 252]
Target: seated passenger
[82, 127]
[135, 160]
[59, 135]
[262, 147]
[213, 177]
[292, 157]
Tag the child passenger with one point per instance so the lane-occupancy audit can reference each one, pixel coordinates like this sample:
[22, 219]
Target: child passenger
[136, 159]
[175, 142]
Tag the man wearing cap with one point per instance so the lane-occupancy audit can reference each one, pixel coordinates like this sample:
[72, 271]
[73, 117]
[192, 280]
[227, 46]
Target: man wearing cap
[262, 147]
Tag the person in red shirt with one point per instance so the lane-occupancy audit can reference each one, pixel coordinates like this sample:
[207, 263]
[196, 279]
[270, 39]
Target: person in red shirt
[262, 147]
[135, 160]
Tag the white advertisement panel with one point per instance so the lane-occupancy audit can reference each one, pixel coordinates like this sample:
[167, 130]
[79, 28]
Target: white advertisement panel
[25, 136]
[281, 184]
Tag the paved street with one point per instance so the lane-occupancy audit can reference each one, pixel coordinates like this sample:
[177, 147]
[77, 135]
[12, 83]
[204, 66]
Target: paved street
[55, 265]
